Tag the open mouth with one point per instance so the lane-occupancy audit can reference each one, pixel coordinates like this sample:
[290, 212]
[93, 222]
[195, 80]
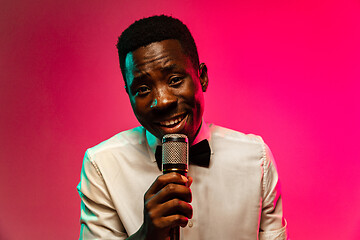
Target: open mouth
[172, 122]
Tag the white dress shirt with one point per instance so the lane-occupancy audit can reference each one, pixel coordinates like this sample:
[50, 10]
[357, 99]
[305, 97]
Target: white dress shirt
[237, 197]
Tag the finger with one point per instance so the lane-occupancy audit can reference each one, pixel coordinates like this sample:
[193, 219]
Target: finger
[169, 192]
[162, 181]
[175, 206]
[172, 221]
[190, 181]
[172, 191]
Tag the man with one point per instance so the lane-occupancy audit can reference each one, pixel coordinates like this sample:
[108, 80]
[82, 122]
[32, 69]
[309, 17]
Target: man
[235, 195]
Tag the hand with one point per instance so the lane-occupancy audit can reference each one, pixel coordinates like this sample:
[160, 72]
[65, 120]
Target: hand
[166, 205]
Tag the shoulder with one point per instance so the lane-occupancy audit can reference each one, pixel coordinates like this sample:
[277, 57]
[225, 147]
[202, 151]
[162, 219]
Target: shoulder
[121, 140]
[124, 149]
[241, 144]
[226, 134]
[238, 145]
[117, 147]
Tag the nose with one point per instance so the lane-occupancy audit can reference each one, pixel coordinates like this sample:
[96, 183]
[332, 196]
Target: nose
[164, 99]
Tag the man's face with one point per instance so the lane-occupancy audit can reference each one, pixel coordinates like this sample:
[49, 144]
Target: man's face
[165, 91]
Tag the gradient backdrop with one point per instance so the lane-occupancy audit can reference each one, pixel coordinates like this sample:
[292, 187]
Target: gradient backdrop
[286, 70]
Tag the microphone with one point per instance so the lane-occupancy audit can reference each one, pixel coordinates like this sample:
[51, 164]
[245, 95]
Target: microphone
[175, 158]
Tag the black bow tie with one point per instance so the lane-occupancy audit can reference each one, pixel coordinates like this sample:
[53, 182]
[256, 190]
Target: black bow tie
[199, 154]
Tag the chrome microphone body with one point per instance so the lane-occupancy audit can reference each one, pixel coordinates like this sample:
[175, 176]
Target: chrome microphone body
[175, 158]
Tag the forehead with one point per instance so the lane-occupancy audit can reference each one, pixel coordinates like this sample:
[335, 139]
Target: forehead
[155, 56]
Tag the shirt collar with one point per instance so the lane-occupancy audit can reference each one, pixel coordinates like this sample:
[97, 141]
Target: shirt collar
[204, 133]
[153, 142]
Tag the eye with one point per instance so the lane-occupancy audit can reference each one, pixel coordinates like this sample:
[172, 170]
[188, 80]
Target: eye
[176, 80]
[142, 90]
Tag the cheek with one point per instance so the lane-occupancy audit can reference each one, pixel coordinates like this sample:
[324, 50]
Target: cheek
[188, 93]
[195, 99]
[199, 102]
[133, 104]
[138, 107]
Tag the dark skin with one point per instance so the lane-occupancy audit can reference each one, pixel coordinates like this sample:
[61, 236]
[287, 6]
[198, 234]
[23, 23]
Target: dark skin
[166, 94]
[166, 205]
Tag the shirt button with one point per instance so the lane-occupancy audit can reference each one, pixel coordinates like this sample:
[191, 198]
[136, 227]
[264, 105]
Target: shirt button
[190, 223]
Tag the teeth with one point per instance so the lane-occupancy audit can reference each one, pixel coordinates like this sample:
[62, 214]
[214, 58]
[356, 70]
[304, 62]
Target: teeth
[171, 122]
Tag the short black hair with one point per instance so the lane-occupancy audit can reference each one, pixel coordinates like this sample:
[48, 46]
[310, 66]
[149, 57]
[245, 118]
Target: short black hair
[155, 29]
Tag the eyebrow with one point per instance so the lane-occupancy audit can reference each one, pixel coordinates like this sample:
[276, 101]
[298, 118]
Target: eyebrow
[168, 68]
[143, 76]
[138, 79]
[165, 69]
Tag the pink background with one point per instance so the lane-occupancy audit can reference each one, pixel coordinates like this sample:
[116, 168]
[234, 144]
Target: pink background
[286, 70]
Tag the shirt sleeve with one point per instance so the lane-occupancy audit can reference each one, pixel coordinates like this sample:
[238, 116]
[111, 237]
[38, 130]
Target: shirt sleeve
[272, 223]
[99, 219]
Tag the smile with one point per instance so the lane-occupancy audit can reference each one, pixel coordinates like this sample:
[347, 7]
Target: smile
[172, 122]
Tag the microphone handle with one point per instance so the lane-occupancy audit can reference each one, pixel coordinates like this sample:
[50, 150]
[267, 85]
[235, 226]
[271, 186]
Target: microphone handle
[175, 233]
[175, 158]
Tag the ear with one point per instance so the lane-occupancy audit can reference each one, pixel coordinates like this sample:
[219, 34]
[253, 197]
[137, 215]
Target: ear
[203, 75]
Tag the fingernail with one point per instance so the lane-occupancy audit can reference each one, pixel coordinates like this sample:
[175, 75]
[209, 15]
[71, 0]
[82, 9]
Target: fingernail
[184, 178]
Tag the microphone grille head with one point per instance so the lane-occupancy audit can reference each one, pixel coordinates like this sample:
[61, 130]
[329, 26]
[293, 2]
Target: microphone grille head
[175, 149]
